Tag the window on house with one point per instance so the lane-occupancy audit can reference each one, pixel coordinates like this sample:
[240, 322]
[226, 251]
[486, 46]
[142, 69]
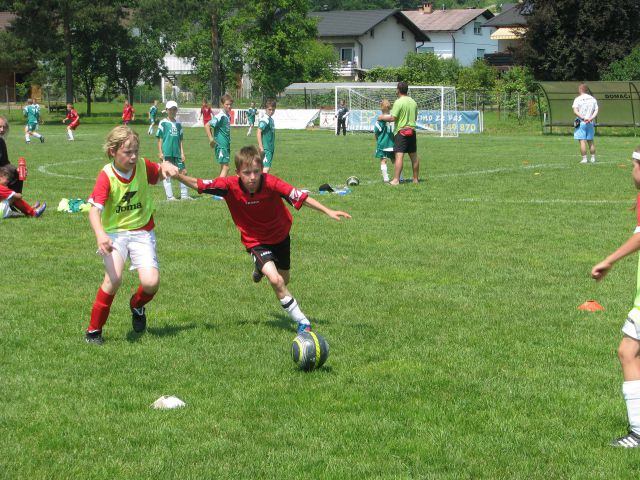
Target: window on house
[425, 50]
[371, 33]
[346, 54]
[402, 35]
[477, 28]
[480, 53]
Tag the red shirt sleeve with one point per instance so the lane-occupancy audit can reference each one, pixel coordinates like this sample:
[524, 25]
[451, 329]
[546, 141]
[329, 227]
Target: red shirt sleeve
[217, 186]
[6, 192]
[294, 196]
[153, 171]
[101, 189]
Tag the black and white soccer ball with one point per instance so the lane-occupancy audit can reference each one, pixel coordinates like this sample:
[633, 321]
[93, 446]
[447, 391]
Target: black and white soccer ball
[309, 351]
[353, 181]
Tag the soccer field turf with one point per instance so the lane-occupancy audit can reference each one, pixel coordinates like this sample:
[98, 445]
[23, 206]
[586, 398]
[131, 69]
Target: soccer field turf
[457, 350]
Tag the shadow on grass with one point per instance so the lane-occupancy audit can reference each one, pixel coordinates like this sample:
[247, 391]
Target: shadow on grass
[284, 322]
[160, 332]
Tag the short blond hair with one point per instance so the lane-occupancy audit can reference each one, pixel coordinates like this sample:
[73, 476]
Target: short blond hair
[226, 97]
[247, 157]
[117, 137]
[385, 105]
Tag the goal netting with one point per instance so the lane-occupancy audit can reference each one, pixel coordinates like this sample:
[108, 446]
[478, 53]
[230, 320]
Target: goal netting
[437, 111]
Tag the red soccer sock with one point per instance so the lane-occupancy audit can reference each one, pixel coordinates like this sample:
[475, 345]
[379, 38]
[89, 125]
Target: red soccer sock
[100, 310]
[140, 298]
[24, 207]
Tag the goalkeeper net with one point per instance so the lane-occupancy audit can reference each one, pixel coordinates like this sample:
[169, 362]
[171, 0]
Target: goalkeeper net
[437, 111]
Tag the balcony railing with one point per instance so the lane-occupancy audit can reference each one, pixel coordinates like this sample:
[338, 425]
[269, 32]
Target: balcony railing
[344, 69]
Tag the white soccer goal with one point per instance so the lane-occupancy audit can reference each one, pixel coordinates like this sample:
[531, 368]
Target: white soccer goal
[437, 110]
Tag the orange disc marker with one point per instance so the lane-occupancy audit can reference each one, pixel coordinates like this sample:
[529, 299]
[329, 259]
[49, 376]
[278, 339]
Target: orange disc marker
[590, 306]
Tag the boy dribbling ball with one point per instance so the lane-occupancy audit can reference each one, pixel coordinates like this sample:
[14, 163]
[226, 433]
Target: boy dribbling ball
[629, 348]
[121, 217]
[255, 201]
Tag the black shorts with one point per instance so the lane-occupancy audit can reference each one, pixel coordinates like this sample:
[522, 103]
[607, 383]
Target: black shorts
[402, 144]
[280, 254]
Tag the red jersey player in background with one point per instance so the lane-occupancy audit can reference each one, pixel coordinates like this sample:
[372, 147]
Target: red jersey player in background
[255, 201]
[128, 113]
[10, 198]
[205, 112]
[74, 120]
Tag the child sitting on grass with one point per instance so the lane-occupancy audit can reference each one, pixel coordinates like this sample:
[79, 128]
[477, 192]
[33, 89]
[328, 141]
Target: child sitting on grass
[10, 198]
[255, 201]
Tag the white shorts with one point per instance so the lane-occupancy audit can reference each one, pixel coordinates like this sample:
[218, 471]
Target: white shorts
[139, 245]
[5, 210]
[631, 327]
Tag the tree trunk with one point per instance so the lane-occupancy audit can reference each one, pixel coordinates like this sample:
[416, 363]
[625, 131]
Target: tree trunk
[215, 57]
[88, 93]
[68, 57]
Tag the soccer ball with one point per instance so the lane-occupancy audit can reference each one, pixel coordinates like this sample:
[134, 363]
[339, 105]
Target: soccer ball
[309, 351]
[353, 181]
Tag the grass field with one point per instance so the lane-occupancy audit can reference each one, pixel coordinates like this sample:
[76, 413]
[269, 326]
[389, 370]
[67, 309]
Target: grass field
[457, 351]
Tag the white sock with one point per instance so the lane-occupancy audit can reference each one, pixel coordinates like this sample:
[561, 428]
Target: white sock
[292, 308]
[167, 187]
[385, 173]
[26, 138]
[70, 134]
[184, 191]
[150, 131]
[631, 392]
[593, 158]
[36, 134]
[584, 158]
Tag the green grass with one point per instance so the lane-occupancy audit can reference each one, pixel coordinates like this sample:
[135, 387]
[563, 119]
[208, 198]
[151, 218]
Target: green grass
[457, 350]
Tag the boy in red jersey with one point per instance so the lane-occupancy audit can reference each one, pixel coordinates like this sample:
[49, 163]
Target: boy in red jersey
[74, 120]
[121, 217]
[128, 113]
[10, 198]
[255, 203]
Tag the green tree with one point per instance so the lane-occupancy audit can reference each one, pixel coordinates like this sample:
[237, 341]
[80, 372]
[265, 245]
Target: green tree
[626, 69]
[273, 40]
[316, 59]
[480, 77]
[577, 39]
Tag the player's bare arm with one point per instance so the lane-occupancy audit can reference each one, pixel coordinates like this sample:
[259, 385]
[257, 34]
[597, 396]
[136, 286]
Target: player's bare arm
[632, 245]
[316, 205]
[105, 245]
[168, 169]
[190, 182]
[160, 154]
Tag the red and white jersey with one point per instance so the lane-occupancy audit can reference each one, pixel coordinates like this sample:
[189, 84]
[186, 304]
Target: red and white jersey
[102, 187]
[72, 115]
[261, 217]
[6, 193]
[127, 113]
[206, 114]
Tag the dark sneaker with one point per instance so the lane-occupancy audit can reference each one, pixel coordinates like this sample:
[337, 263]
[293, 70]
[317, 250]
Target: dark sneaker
[304, 327]
[256, 276]
[40, 210]
[630, 440]
[94, 337]
[42, 139]
[138, 319]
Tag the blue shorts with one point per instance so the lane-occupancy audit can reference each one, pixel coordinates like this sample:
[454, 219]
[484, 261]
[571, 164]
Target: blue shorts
[585, 131]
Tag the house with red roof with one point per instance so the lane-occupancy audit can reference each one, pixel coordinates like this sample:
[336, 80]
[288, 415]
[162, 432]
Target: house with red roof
[454, 33]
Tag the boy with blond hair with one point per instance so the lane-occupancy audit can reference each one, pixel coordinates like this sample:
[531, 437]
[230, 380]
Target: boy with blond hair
[384, 140]
[121, 217]
[255, 201]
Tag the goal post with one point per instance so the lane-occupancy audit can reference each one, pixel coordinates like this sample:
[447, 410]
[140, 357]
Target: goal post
[437, 108]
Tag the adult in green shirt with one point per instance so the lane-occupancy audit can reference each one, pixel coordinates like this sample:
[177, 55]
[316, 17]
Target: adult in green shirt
[404, 115]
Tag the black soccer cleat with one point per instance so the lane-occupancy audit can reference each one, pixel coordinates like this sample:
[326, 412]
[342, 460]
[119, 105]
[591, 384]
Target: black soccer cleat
[41, 138]
[256, 276]
[138, 319]
[630, 440]
[94, 337]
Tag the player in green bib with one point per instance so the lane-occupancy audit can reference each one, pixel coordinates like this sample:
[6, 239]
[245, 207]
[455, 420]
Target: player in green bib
[153, 112]
[220, 139]
[267, 135]
[384, 140]
[121, 217]
[170, 136]
[251, 116]
[32, 112]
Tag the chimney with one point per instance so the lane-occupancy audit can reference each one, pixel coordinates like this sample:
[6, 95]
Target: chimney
[427, 7]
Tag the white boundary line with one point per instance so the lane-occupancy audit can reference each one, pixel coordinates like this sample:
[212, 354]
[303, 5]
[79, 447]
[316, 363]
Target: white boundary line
[44, 168]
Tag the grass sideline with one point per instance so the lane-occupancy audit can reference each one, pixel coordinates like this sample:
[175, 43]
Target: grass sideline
[450, 308]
